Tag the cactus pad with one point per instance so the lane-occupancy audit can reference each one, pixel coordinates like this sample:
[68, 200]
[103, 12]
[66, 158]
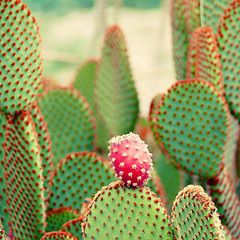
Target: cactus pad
[194, 215]
[76, 177]
[57, 217]
[58, 236]
[20, 64]
[116, 96]
[125, 213]
[204, 59]
[130, 159]
[74, 227]
[192, 131]
[228, 42]
[24, 181]
[69, 120]
[2, 232]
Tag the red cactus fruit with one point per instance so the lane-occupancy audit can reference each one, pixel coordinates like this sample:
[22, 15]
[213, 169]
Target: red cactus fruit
[130, 159]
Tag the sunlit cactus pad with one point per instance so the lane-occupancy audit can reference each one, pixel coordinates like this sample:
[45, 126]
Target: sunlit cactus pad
[74, 227]
[194, 216]
[192, 122]
[116, 96]
[228, 42]
[57, 217]
[118, 212]
[24, 181]
[76, 177]
[204, 59]
[69, 120]
[58, 236]
[20, 62]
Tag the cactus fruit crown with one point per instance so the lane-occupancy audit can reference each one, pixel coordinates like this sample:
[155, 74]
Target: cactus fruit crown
[130, 159]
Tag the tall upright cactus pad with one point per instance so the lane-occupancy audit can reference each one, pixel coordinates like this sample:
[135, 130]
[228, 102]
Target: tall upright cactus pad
[74, 227]
[70, 122]
[20, 62]
[76, 177]
[192, 131]
[229, 44]
[185, 17]
[3, 199]
[58, 236]
[212, 11]
[204, 59]
[116, 96]
[125, 213]
[24, 181]
[194, 215]
[57, 217]
[224, 196]
[44, 142]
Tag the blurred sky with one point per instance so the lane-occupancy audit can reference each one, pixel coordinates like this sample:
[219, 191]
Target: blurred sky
[72, 33]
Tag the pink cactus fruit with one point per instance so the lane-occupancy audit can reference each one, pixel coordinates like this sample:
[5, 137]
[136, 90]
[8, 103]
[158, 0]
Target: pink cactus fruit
[130, 159]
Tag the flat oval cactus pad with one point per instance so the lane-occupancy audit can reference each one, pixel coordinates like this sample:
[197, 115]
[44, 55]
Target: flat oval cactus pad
[118, 212]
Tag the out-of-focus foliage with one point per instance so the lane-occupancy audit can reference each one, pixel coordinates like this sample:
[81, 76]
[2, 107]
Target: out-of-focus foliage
[142, 3]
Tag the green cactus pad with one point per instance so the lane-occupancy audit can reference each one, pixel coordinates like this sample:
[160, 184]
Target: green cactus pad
[21, 63]
[69, 120]
[222, 191]
[194, 216]
[74, 227]
[192, 122]
[44, 142]
[76, 177]
[116, 96]
[204, 59]
[58, 236]
[3, 197]
[125, 213]
[185, 17]
[57, 217]
[212, 11]
[228, 42]
[2, 232]
[24, 181]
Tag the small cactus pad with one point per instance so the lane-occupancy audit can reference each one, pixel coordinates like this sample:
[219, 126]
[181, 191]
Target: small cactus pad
[58, 236]
[204, 59]
[20, 62]
[85, 80]
[2, 232]
[69, 120]
[228, 42]
[185, 17]
[222, 191]
[76, 177]
[57, 217]
[44, 142]
[118, 212]
[130, 159]
[192, 123]
[116, 96]
[194, 215]
[74, 227]
[24, 181]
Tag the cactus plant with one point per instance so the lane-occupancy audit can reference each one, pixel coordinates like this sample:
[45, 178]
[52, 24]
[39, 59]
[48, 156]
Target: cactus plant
[74, 227]
[2, 232]
[21, 63]
[58, 236]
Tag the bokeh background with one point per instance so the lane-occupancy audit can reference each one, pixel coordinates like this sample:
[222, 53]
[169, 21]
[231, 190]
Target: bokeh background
[73, 30]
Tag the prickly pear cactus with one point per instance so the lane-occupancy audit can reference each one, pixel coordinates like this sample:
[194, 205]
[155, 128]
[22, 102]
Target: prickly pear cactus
[21, 63]
[194, 215]
[23, 176]
[57, 217]
[192, 131]
[77, 177]
[70, 122]
[118, 212]
[116, 96]
[74, 227]
[58, 236]
[228, 43]
[2, 232]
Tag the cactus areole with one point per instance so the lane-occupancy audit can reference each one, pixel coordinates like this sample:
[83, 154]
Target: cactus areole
[130, 159]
